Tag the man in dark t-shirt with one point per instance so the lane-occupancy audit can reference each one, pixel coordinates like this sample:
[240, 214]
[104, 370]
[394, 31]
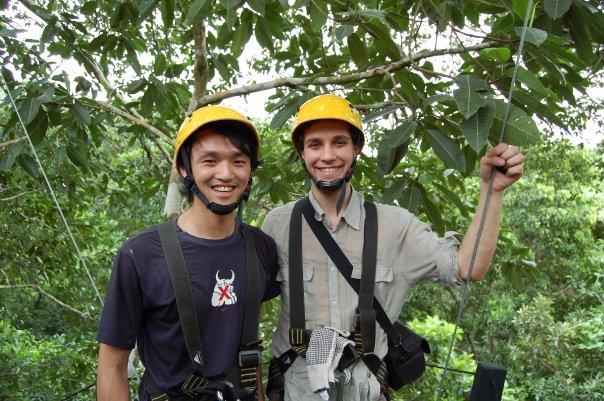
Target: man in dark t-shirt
[216, 152]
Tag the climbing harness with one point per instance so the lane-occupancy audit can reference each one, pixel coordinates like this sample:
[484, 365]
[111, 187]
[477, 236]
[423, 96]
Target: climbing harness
[241, 384]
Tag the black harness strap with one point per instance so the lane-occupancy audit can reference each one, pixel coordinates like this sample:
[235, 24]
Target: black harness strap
[250, 352]
[297, 332]
[183, 292]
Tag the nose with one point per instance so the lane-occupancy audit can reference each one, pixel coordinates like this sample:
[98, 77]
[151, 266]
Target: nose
[224, 171]
[328, 153]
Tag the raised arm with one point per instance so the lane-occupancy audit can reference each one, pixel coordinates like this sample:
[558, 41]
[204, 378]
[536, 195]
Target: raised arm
[509, 158]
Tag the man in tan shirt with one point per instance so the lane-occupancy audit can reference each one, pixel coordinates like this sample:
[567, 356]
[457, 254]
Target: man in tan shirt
[328, 135]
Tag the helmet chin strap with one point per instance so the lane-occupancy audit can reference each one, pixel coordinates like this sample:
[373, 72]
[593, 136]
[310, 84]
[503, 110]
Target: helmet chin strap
[213, 207]
[334, 185]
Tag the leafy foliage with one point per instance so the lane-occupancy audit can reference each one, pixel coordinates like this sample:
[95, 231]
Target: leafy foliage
[102, 86]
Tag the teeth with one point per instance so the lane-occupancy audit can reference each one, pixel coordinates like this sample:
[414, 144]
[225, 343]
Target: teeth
[222, 189]
[328, 169]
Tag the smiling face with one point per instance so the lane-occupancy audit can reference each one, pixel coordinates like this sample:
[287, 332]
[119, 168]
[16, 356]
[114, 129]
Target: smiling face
[328, 150]
[219, 168]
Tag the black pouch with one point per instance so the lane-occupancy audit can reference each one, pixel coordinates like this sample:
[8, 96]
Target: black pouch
[405, 360]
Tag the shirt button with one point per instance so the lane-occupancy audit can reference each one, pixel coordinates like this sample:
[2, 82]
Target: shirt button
[333, 302]
[332, 268]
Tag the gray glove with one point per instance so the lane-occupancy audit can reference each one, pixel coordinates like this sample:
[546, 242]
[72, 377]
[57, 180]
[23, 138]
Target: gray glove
[319, 355]
[322, 357]
[341, 343]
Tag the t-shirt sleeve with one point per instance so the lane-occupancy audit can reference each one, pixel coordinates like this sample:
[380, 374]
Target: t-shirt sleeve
[270, 263]
[122, 312]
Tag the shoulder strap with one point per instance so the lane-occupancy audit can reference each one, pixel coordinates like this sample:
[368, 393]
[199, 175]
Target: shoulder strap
[183, 292]
[252, 306]
[296, 290]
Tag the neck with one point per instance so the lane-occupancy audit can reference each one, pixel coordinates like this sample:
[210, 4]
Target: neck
[200, 222]
[329, 200]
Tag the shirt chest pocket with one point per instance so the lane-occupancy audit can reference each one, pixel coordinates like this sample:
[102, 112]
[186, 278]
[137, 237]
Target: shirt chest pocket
[383, 274]
[315, 282]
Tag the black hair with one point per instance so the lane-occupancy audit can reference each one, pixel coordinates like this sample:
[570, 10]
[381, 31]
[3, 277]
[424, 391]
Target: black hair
[231, 130]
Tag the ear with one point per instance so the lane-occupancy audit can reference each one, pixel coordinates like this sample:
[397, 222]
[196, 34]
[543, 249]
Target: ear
[182, 172]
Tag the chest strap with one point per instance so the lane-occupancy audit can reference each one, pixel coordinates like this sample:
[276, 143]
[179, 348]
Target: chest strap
[250, 351]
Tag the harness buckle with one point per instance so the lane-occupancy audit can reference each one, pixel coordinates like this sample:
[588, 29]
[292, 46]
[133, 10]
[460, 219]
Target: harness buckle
[251, 357]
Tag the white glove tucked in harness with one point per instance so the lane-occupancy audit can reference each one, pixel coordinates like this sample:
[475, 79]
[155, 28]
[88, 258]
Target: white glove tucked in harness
[324, 351]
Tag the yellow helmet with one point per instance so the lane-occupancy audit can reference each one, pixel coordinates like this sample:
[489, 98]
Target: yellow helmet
[328, 107]
[209, 114]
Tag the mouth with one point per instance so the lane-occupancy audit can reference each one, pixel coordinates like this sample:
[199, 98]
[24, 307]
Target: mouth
[329, 173]
[223, 188]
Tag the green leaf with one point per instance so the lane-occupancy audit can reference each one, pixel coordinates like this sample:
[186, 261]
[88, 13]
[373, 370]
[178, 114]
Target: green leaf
[500, 54]
[534, 36]
[393, 192]
[38, 127]
[145, 9]
[257, 5]
[446, 149]
[47, 95]
[372, 14]
[476, 128]
[530, 80]
[28, 109]
[159, 65]
[242, 33]
[78, 156]
[548, 112]
[80, 114]
[28, 164]
[410, 197]
[229, 3]
[167, 12]
[7, 161]
[556, 8]
[519, 7]
[263, 34]
[318, 15]
[284, 113]
[452, 196]
[467, 97]
[433, 213]
[197, 11]
[520, 128]
[401, 134]
[358, 51]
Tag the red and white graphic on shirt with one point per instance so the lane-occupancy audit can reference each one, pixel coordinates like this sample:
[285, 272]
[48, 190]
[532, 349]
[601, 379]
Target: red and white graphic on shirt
[224, 292]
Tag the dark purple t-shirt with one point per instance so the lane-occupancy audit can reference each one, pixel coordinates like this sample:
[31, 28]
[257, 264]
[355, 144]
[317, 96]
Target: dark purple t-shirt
[140, 305]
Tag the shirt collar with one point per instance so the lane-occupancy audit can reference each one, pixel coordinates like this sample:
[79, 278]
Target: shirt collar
[352, 213]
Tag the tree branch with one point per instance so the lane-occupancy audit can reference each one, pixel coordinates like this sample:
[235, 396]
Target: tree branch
[36, 287]
[12, 141]
[341, 79]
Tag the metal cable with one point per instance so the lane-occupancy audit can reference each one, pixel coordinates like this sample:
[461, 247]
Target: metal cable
[486, 204]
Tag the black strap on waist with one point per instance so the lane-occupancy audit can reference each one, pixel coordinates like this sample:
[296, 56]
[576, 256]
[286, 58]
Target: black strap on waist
[250, 352]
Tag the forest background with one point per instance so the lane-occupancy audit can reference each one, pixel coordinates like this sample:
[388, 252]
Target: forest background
[103, 86]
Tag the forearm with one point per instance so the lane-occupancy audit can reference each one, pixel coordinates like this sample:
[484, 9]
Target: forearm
[488, 235]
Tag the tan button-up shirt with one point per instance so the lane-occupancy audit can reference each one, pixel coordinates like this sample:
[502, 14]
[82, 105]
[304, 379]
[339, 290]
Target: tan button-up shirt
[408, 252]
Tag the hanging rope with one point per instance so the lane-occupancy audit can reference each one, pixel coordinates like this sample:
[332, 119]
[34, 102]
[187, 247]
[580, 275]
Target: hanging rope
[52, 193]
[486, 204]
